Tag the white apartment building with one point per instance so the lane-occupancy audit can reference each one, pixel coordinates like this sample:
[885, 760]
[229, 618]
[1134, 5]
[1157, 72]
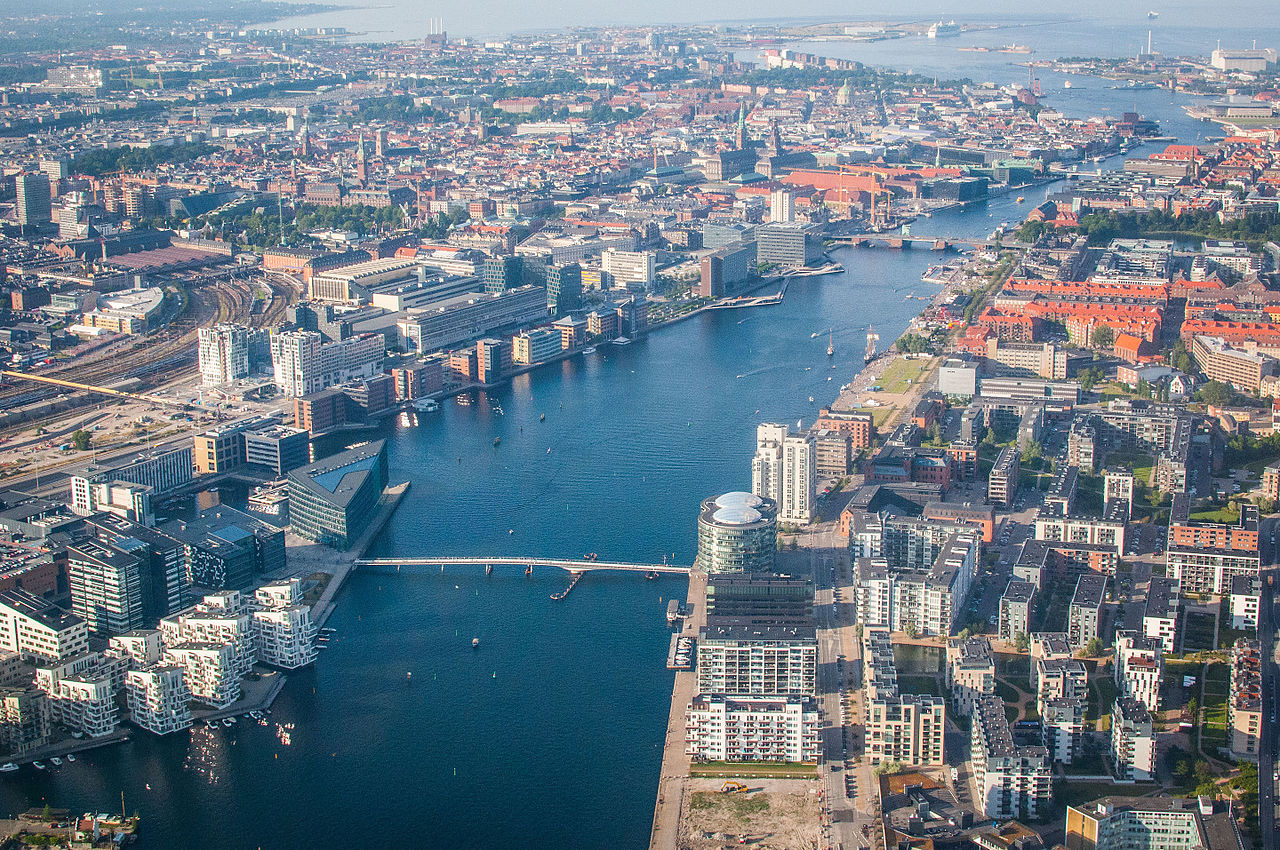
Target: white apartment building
[782, 206]
[1133, 745]
[1058, 678]
[747, 728]
[930, 599]
[158, 697]
[1013, 782]
[1015, 609]
[1139, 663]
[208, 670]
[82, 691]
[224, 354]
[783, 469]
[38, 630]
[1160, 615]
[757, 660]
[221, 617]
[303, 363]
[141, 647]
[629, 266]
[285, 637]
[971, 672]
[1062, 728]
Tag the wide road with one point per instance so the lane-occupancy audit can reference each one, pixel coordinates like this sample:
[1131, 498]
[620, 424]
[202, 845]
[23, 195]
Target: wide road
[1268, 619]
[845, 815]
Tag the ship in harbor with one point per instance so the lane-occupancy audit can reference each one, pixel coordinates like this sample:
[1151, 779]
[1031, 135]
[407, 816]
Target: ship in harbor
[943, 30]
[873, 339]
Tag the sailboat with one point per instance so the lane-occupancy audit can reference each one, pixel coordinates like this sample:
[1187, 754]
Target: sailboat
[872, 339]
[831, 346]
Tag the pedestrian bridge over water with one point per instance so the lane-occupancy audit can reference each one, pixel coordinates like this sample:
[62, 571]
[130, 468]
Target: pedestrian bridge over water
[568, 564]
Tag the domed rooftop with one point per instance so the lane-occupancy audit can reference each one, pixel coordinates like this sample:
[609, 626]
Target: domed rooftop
[739, 499]
[736, 515]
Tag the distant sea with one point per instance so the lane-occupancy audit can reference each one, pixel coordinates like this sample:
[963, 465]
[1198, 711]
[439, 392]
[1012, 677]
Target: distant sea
[1086, 28]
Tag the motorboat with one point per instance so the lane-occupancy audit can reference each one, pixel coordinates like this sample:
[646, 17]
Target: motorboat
[590, 349]
[71, 756]
[38, 765]
[57, 762]
[226, 721]
[8, 767]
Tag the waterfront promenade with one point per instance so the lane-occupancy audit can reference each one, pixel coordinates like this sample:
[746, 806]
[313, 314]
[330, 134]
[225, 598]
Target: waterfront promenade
[673, 781]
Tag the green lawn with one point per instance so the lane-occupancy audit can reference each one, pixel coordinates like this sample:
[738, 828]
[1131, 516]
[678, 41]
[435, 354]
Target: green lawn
[1102, 697]
[759, 770]
[1006, 691]
[880, 415]
[1216, 685]
[902, 374]
[1226, 515]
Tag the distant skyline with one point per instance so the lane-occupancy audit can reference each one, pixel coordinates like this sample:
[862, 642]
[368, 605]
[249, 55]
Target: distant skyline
[399, 19]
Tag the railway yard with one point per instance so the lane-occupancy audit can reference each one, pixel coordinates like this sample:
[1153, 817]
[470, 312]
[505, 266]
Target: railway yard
[159, 362]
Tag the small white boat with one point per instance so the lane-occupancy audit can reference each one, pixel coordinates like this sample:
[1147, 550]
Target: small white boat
[211, 724]
[38, 765]
[475, 643]
[8, 767]
[590, 349]
[226, 721]
[71, 757]
[57, 762]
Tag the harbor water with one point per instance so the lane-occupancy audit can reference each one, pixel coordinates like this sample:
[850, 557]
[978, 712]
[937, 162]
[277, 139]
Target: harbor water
[549, 733]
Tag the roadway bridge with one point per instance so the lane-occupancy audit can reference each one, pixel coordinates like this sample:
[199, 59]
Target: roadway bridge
[927, 243]
[567, 564]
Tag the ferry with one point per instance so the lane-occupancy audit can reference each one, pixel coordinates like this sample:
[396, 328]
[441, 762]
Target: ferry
[943, 30]
[8, 767]
[1015, 48]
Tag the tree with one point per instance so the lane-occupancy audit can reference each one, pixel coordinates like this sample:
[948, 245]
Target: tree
[1103, 337]
[1090, 377]
[1216, 393]
[1034, 451]
[911, 631]
[80, 439]
[1193, 708]
[1266, 505]
[1093, 648]
[1142, 389]
[1021, 642]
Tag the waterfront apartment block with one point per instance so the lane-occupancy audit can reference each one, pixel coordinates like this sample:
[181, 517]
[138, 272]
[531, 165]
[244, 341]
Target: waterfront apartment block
[1133, 744]
[1244, 699]
[971, 672]
[1160, 615]
[784, 470]
[1062, 728]
[285, 637]
[39, 630]
[1012, 781]
[906, 728]
[762, 599]
[1152, 823]
[332, 500]
[472, 315]
[1002, 484]
[304, 363]
[1084, 617]
[752, 729]
[737, 533]
[221, 619]
[1139, 664]
[757, 661]
[208, 670]
[158, 698]
[1204, 557]
[26, 720]
[1015, 610]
